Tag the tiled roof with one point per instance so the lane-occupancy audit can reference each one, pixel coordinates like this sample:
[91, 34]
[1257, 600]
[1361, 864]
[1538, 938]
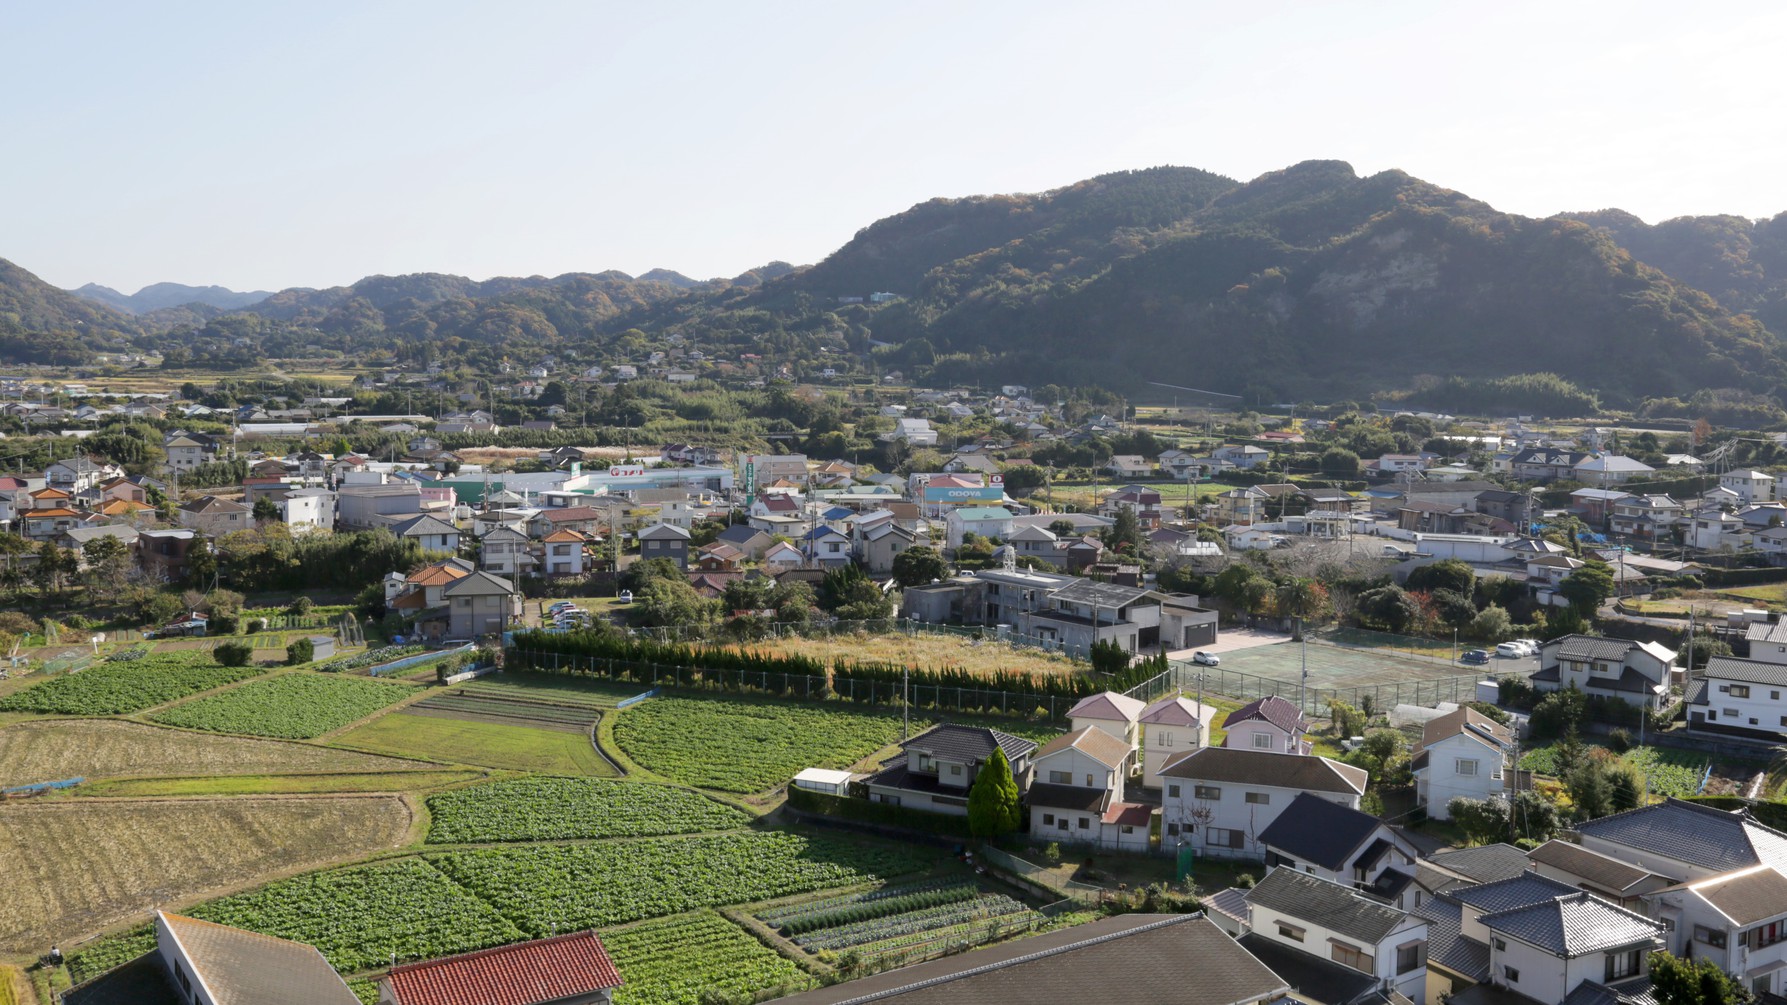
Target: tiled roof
[1107, 705]
[1591, 867]
[1697, 835]
[1574, 925]
[1278, 711]
[1263, 767]
[1231, 903]
[529, 973]
[1591, 647]
[1129, 814]
[1312, 977]
[247, 968]
[1068, 797]
[1319, 831]
[1488, 863]
[1181, 958]
[1747, 671]
[1465, 720]
[1327, 905]
[1091, 741]
[1177, 710]
[972, 744]
[1524, 890]
[1629, 679]
[1748, 896]
[480, 584]
[1446, 945]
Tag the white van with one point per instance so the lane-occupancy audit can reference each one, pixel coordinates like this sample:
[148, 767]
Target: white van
[1510, 650]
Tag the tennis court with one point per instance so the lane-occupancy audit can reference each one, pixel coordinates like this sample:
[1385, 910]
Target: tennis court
[1350, 674]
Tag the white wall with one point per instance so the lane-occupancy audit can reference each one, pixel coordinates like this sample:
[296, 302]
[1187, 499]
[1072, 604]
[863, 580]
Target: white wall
[1765, 704]
[1413, 984]
[1161, 742]
[1439, 782]
[1277, 740]
[1229, 811]
[1081, 770]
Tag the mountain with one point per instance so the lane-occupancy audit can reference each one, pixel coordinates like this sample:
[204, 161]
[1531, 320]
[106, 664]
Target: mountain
[160, 295]
[35, 306]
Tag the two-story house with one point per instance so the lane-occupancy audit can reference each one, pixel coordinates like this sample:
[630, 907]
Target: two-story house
[878, 545]
[1685, 841]
[432, 533]
[1600, 874]
[1245, 506]
[1144, 502]
[1077, 794]
[984, 521]
[1271, 724]
[562, 553]
[1114, 713]
[936, 768]
[216, 516]
[1637, 673]
[1333, 944]
[1647, 517]
[1331, 841]
[1223, 798]
[1169, 726]
[480, 604]
[1740, 697]
[1244, 457]
[1550, 949]
[505, 551]
[826, 548]
[306, 509]
[661, 540]
[1545, 464]
[1461, 754]
[1737, 919]
[1749, 485]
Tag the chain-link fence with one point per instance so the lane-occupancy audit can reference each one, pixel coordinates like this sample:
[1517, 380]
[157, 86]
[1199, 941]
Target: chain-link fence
[827, 629]
[1245, 687]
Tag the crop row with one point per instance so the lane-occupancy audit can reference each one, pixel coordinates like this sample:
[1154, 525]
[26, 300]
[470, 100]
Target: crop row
[881, 908]
[684, 961]
[371, 657]
[508, 706]
[775, 917]
[931, 942]
[293, 706]
[553, 809]
[556, 888]
[736, 746]
[118, 688]
[879, 929]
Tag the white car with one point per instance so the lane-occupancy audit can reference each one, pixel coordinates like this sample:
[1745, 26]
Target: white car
[1206, 659]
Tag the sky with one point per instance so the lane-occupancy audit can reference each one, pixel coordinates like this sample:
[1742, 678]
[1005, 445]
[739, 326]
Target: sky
[262, 146]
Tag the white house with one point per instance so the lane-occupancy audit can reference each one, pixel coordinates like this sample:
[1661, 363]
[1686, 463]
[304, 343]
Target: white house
[826, 548]
[1751, 486]
[938, 766]
[1685, 841]
[1243, 457]
[1350, 947]
[782, 556]
[305, 510]
[1222, 798]
[1463, 753]
[1114, 713]
[1077, 794]
[562, 553]
[1741, 697]
[1169, 726]
[1737, 919]
[1330, 841]
[1270, 724]
[1637, 673]
[1611, 469]
[916, 432]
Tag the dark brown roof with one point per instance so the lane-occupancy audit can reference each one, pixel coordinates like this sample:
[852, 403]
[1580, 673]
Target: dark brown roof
[1091, 741]
[1746, 897]
[1068, 797]
[1278, 711]
[1594, 868]
[1154, 958]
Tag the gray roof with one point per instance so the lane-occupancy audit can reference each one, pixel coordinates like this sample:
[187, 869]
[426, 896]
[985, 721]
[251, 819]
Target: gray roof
[423, 526]
[1591, 867]
[1181, 959]
[479, 584]
[1328, 905]
[1575, 925]
[1264, 767]
[247, 968]
[1592, 647]
[1446, 945]
[1772, 631]
[1689, 832]
[969, 744]
[1746, 897]
[1632, 992]
[1319, 831]
[1312, 977]
[1489, 863]
[1746, 671]
[1089, 591]
[1524, 890]
[1068, 797]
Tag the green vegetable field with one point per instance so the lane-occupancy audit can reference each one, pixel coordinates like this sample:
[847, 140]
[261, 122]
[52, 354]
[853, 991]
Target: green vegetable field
[676, 962]
[131, 686]
[553, 809]
[737, 746]
[294, 706]
[546, 888]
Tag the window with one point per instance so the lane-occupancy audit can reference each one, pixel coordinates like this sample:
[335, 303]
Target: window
[1774, 696]
[1464, 766]
[1740, 690]
[1164, 738]
[1291, 932]
[1259, 798]
[1048, 819]
[1408, 957]
[1127, 829]
[1767, 935]
[1711, 936]
[1173, 790]
[1089, 782]
[955, 769]
[1511, 974]
[1085, 824]
[1222, 837]
[1172, 830]
[1060, 778]
[1730, 713]
[1622, 965]
[1061, 824]
[1500, 946]
[1349, 955]
[1208, 792]
[1262, 741]
[925, 763]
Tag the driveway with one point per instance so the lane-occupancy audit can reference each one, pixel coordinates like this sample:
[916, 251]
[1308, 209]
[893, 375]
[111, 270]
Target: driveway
[1233, 640]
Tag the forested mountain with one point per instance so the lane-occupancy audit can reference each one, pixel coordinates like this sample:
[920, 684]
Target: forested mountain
[163, 295]
[1306, 282]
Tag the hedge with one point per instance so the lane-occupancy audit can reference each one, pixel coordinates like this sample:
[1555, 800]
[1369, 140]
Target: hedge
[1769, 814]
[1744, 577]
[864, 811]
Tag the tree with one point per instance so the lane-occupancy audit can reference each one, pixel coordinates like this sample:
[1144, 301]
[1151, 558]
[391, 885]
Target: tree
[1492, 624]
[1339, 462]
[265, 510]
[1483, 821]
[108, 563]
[1447, 574]
[1587, 588]
[1675, 981]
[301, 651]
[993, 799]
[1061, 528]
[1303, 599]
[1109, 658]
[1389, 607]
[233, 654]
[918, 566]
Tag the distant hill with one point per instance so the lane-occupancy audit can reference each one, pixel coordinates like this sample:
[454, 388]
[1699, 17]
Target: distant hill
[161, 295]
[35, 306]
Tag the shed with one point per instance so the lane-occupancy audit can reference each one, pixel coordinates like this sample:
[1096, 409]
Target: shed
[826, 780]
[322, 647]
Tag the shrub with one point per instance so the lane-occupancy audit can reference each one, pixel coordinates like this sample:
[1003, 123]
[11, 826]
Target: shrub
[257, 626]
[1620, 740]
[301, 651]
[221, 624]
[300, 606]
[233, 654]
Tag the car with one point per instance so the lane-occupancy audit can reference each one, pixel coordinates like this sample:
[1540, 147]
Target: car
[1532, 646]
[1206, 659]
[1476, 656]
[562, 605]
[1510, 650]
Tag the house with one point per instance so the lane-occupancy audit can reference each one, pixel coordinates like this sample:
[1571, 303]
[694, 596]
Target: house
[1221, 799]
[306, 509]
[1325, 839]
[1545, 464]
[46, 523]
[1685, 841]
[1142, 501]
[77, 537]
[985, 521]
[1514, 507]
[1129, 466]
[364, 507]
[1077, 794]
[1713, 529]
[826, 548]
[424, 589]
[665, 541]
[1602, 875]
[1460, 754]
[1647, 517]
[480, 604]
[1168, 726]
[563, 553]
[1740, 697]
[1114, 713]
[1749, 485]
[505, 551]
[1595, 506]
[585, 520]
[571, 969]
[915, 432]
[1767, 641]
[1271, 724]
[1243, 457]
[718, 557]
[1332, 944]
[935, 769]
[782, 556]
[747, 539]
[1565, 946]
[80, 475]
[1243, 506]
[215, 516]
[1161, 959]
[1634, 672]
[210, 964]
[1611, 469]
[1737, 919]
[163, 554]
[880, 544]
[432, 533]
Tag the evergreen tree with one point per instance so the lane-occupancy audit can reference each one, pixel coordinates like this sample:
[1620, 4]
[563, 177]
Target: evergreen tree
[993, 799]
[1675, 981]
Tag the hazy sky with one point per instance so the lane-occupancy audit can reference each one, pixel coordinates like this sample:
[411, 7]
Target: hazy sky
[261, 145]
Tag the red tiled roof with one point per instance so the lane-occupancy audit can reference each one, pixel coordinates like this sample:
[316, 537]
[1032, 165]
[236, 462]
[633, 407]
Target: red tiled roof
[1131, 814]
[529, 973]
